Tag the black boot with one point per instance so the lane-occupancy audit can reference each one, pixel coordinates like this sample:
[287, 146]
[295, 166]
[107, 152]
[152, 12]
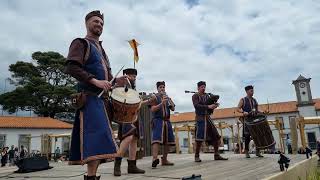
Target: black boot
[218, 157]
[197, 158]
[155, 163]
[85, 177]
[117, 166]
[258, 154]
[247, 153]
[133, 169]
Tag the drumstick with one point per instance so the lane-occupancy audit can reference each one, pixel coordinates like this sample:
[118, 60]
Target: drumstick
[129, 82]
[111, 81]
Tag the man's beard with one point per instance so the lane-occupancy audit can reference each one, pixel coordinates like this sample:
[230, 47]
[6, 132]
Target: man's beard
[96, 31]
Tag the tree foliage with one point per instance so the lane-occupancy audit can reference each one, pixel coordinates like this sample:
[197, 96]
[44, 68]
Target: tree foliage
[41, 86]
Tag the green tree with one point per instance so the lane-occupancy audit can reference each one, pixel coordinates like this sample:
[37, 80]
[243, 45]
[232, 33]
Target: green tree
[41, 86]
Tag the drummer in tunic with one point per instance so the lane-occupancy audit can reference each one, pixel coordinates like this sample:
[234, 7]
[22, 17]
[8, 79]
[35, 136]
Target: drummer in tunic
[205, 129]
[248, 106]
[162, 132]
[128, 133]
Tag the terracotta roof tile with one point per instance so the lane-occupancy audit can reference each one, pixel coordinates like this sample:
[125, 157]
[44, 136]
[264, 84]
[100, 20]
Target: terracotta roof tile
[274, 108]
[32, 122]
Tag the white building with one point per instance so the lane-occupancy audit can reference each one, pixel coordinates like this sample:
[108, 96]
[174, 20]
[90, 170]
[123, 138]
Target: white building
[305, 106]
[27, 131]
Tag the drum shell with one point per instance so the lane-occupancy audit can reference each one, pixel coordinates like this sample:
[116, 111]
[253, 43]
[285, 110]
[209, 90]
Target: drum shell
[124, 113]
[260, 132]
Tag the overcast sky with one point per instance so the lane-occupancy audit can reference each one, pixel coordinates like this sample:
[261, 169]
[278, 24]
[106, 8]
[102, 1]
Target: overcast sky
[229, 44]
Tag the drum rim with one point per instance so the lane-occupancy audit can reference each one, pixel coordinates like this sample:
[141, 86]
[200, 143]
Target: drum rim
[125, 122]
[122, 88]
[255, 122]
[128, 104]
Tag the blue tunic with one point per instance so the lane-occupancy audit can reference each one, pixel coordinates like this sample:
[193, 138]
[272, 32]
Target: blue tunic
[162, 131]
[92, 135]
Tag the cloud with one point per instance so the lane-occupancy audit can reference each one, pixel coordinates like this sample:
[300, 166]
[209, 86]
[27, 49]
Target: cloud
[229, 44]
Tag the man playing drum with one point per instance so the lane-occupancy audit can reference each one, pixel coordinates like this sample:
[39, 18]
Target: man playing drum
[205, 130]
[162, 132]
[128, 133]
[248, 106]
[92, 137]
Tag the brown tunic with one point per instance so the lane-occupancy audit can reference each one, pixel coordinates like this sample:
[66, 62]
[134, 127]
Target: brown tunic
[205, 129]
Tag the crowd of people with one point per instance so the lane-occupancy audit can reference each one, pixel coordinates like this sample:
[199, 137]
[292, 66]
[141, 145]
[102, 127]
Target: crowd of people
[12, 155]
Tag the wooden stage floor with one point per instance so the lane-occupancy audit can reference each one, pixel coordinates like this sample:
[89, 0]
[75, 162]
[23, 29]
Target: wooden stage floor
[236, 168]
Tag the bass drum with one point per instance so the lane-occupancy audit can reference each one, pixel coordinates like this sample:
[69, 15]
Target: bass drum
[260, 131]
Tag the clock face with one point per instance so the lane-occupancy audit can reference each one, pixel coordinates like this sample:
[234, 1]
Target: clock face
[302, 85]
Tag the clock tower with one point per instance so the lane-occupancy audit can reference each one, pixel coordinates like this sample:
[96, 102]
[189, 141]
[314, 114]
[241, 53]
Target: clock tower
[303, 91]
[305, 103]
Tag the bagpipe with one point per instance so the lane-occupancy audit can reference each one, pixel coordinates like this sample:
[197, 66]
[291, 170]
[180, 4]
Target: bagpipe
[212, 99]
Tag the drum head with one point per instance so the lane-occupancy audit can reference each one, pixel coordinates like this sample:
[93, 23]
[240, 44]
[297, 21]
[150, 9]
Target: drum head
[129, 97]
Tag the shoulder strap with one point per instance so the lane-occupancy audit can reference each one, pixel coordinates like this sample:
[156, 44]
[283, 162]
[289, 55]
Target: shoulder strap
[106, 59]
[105, 56]
[244, 102]
[158, 98]
[255, 102]
[103, 53]
[87, 53]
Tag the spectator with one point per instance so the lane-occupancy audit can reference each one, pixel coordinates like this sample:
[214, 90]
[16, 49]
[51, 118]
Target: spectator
[57, 154]
[4, 155]
[23, 152]
[288, 143]
[237, 149]
[66, 152]
[318, 148]
[11, 156]
[273, 149]
[16, 154]
[301, 150]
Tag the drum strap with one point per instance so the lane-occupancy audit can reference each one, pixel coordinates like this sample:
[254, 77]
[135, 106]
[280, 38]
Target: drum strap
[244, 102]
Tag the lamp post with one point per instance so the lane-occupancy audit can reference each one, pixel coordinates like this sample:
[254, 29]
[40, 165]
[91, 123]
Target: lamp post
[4, 90]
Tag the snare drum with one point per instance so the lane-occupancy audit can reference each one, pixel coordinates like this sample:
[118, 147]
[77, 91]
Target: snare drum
[125, 105]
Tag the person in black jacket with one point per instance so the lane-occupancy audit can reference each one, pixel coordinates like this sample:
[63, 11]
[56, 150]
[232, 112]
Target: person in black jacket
[11, 156]
[4, 155]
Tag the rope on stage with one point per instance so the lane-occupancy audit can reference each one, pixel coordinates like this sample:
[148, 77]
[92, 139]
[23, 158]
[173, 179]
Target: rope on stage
[9, 176]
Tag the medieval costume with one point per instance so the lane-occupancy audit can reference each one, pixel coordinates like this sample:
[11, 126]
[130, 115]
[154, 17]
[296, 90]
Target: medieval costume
[92, 136]
[127, 129]
[205, 130]
[248, 105]
[162, 132]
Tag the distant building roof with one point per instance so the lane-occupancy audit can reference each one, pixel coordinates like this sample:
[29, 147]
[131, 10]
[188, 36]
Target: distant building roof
[32, 123]
[273, 108]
